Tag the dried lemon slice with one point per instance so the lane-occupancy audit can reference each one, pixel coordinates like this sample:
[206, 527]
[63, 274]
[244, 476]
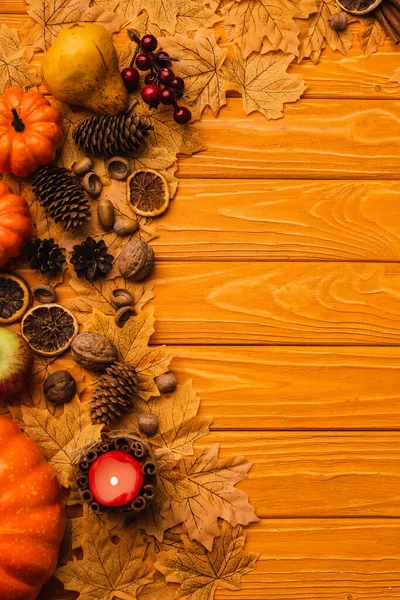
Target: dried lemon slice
[358, 7]
[49, 329]
[148, 192]
[14, 298]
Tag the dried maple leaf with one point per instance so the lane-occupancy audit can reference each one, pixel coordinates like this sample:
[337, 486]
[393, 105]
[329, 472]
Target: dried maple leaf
[212, 496]
[316, 30]
[109, 570]
[132, 344]
[201, 572]
[252, 21]
[14, 62]
[193, 14]
[200, 65]
[70, 152]
[371, 35]
[73, 535]
[161, 12]
[60, 438]
[51, 16]
[157, 590]
[263, 82]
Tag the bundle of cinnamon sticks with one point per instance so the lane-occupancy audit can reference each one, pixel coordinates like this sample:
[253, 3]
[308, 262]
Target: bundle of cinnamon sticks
[388, 15]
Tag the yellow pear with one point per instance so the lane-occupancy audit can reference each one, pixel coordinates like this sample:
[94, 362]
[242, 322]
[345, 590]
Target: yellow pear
[81, 68]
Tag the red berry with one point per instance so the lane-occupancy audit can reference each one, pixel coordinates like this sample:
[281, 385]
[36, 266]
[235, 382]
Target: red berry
[163, 58]
[144, 61]
[151, 95]
[182, 115]
[178, 84]
[166, 76]
[131, 78]
[167, 96]
[150, 78]
[149, 43]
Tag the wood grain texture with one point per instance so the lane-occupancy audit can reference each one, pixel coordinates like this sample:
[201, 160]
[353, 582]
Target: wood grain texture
[293, 387]
[281, 220]
[277, 303]
[313, 559]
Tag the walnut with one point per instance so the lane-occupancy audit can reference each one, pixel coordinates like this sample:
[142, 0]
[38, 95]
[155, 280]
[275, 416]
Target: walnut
[93, 352]
[59, 387]
[136, 260]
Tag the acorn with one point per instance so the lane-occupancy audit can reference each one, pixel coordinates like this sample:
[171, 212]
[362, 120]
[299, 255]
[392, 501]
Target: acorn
[121, 297]
[92, 183]
[148, 424]
[166, 383]
[118, 168]
[44, 294]
[339, 21]
[83, 166]
[126, 226]
[123, 315]
[106, 213]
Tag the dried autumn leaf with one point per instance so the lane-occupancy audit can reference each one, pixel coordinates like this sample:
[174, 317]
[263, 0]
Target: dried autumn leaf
[201, 572]
[15, 70]
[212, 496]
[371, 35]
[132, 344]
[60, 438]
[70, 152]
[263, 82]
[161, 12]
[200, 65]
[395, 77]
[252, 21]
[157, 590]
[73, 536]
[109, 570]
[51, 16]
[316, 31]
[193, 14]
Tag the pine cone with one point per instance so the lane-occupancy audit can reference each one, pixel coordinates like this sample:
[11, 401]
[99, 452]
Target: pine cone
[61, 195]
[111, 135]
[114, 393]
[45, 256]
[90, 259]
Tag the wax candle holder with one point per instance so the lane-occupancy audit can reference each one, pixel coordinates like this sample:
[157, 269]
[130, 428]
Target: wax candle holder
[123, 442]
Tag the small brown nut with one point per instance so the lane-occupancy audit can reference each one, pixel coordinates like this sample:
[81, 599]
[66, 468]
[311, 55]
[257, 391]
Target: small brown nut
[83, 166]
[106, 213]
[92, 183]
[118, 168]
[93, 352]
[136, 260]
[44, 294]
[59, 387]
[166, 382]
[120, 298]
[123, 315]
[339, 21]
[126, 226]
[148, 424]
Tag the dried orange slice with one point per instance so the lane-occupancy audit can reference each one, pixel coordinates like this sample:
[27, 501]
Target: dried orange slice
[49, 329]
[358, 7]
[15, 298]
[148, 192]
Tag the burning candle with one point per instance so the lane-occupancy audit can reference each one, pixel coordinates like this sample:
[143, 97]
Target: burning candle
[115, 478]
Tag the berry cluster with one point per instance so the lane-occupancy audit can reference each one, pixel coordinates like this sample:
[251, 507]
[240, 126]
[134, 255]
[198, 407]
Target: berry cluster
[161, 83]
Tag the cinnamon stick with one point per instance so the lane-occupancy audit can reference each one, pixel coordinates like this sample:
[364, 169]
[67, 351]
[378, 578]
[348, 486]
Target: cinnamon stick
[394, 2]
[386, 25]
[392, 15]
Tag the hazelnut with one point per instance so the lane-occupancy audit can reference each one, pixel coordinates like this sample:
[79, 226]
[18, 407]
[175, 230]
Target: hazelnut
[166, 382]
[339, 21]
[148, 424]
[136, 260]
[59, 387]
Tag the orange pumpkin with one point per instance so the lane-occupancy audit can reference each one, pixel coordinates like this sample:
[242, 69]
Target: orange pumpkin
[15, 224]
[32, 518]
[30, 132]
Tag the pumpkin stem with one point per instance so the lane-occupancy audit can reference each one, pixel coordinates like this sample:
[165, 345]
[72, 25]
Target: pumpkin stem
[17, 122]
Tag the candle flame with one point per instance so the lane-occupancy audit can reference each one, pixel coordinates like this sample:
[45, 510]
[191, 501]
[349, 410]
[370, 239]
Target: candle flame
[114, 480]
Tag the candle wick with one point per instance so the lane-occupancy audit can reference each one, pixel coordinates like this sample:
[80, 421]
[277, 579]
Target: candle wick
[114, 480]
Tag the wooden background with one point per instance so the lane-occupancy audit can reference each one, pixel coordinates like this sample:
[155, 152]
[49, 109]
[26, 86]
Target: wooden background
[278, 289]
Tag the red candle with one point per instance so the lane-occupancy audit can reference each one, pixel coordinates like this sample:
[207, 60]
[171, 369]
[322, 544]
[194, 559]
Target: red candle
[115, 478]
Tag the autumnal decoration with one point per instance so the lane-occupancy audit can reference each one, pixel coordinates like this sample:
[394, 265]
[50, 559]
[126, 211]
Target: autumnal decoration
[123, 315]
[120, 297]
[148, 424]
[15, 70]
[36, 519]
[388, 15]
[92, 184]
[46, 256]
[136, 260]
[131, 445]
[30, 132]
[16, 361]
[148, 192]
[114, 393]
[118, 168]
[339, 21]
[91, 259]
[82, 166]
[49, 329]
[125, 226]
[44, 294]
[15, 224]
[81, 68]
[106, 213]
[59, 387]
[359, 7]
[15, 298]
[166, 382]
[62, 196]
[94, 351]
[108, 136]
